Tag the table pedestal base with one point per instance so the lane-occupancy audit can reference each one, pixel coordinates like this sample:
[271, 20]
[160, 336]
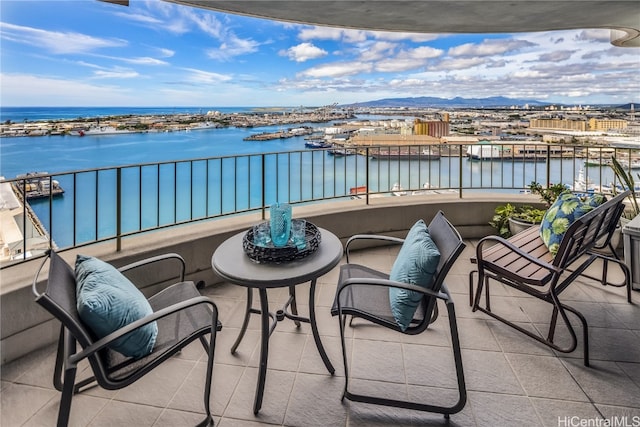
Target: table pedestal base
[269, 321]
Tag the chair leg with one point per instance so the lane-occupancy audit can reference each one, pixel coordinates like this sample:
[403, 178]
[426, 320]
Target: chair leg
[67, 395]
[471, 280]
[343, 320]
[57, 371]
[478, 293]
[210, 348]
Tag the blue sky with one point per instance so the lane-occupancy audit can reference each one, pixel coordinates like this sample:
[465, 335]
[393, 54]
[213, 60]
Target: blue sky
[155, 53]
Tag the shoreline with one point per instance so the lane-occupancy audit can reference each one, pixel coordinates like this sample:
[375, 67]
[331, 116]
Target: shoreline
[131, 123]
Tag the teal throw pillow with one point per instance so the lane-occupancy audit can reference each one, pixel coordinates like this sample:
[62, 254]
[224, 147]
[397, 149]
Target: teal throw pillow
[107, 301]
[565, 210]
[416, 264]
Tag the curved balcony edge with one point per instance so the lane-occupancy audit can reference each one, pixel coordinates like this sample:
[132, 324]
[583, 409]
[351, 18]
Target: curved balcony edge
[25, 327]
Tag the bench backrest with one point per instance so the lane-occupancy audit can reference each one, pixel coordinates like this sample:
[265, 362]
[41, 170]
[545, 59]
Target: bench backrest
[586, 232]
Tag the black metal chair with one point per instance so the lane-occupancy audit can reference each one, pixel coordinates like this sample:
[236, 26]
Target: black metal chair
[182, 315]
[364, 292]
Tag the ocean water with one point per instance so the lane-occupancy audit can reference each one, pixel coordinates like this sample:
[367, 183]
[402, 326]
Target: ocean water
[61, 153]
[297, 180]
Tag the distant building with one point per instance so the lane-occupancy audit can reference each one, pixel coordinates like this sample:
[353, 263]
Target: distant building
[579, 125]
[593, 124]
[392, 140]
[435, 128]
[606, 124]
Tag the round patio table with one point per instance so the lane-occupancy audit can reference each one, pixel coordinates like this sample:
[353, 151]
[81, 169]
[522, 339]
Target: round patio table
[231, 263]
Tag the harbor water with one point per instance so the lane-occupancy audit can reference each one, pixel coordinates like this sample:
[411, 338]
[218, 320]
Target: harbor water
[56, 154]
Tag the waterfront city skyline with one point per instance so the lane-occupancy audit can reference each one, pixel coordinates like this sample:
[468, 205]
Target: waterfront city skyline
[154, 53]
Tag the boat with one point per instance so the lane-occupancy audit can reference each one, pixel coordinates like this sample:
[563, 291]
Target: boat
[517, 152]
[361, 189]
[397, 190]
[486, 152]
[593, 162]
[425, 154]
[428, 189]
[319, 143]
[582, 184]
[105, 130]
[629, 164]
[37, 185]
[341, 151]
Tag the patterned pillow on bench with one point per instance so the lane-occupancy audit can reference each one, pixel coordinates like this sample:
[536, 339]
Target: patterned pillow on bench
[565, 210]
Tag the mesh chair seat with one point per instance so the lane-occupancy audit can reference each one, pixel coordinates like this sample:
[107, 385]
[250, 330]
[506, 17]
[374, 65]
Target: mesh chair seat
[175, 331]
[369, 302]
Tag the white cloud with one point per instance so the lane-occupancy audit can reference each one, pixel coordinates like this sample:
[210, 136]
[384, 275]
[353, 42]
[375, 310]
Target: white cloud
[330, 33]
[556, 56]
[206, 77]
[490, 47]
[376, 51]
[594, 35]
[338, 69]
[56, 42]
[457, 64]
[116, 73]
[166, 53]
[145, 60]
[138, 17]
[304, 52]
[394, 65]
[398, 36]
[231, 48]
[422, 52]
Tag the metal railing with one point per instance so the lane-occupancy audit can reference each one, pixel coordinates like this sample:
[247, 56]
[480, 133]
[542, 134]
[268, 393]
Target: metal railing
[112, 203]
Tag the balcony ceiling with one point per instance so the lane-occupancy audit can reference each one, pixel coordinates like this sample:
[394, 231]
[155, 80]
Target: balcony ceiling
[448, 16]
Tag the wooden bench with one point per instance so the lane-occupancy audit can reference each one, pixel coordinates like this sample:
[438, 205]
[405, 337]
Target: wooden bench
[524, 262]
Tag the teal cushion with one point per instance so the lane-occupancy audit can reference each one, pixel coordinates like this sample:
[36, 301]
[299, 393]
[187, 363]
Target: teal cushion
[107, 301]
[416, 264]
[565, 210]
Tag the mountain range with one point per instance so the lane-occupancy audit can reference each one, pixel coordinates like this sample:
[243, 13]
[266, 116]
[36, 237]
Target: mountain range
[458, 102]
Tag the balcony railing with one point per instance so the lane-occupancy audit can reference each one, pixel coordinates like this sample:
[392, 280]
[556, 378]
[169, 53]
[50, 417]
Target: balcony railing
[112, 203]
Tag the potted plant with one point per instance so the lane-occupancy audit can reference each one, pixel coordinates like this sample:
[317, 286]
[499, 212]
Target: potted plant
[524, 217]
[626, 179]
[510, 219]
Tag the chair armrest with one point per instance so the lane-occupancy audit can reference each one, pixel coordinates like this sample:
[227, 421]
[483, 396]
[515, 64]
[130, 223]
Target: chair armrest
[182, 305]
[392, 284]
[158, 258]
[356, 237]
[499, 240]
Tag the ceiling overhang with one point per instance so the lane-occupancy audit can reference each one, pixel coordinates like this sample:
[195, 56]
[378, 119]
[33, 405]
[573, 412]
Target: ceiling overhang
[447, 16]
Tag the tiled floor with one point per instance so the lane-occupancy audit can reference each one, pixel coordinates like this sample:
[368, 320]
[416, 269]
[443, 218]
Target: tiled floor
[511, 379]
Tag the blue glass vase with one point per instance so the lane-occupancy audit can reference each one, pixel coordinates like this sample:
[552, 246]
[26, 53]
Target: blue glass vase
[280, 221]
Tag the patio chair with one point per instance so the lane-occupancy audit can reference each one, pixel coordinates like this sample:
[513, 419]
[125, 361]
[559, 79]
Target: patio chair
[179, 311]
[526, 264]
[364, 293]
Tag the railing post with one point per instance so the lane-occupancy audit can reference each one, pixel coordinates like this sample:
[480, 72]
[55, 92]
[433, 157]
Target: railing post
[50, 216]
[264, 190]
[366, 168]
[548, 165]
[460, 174]
[118, 209]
